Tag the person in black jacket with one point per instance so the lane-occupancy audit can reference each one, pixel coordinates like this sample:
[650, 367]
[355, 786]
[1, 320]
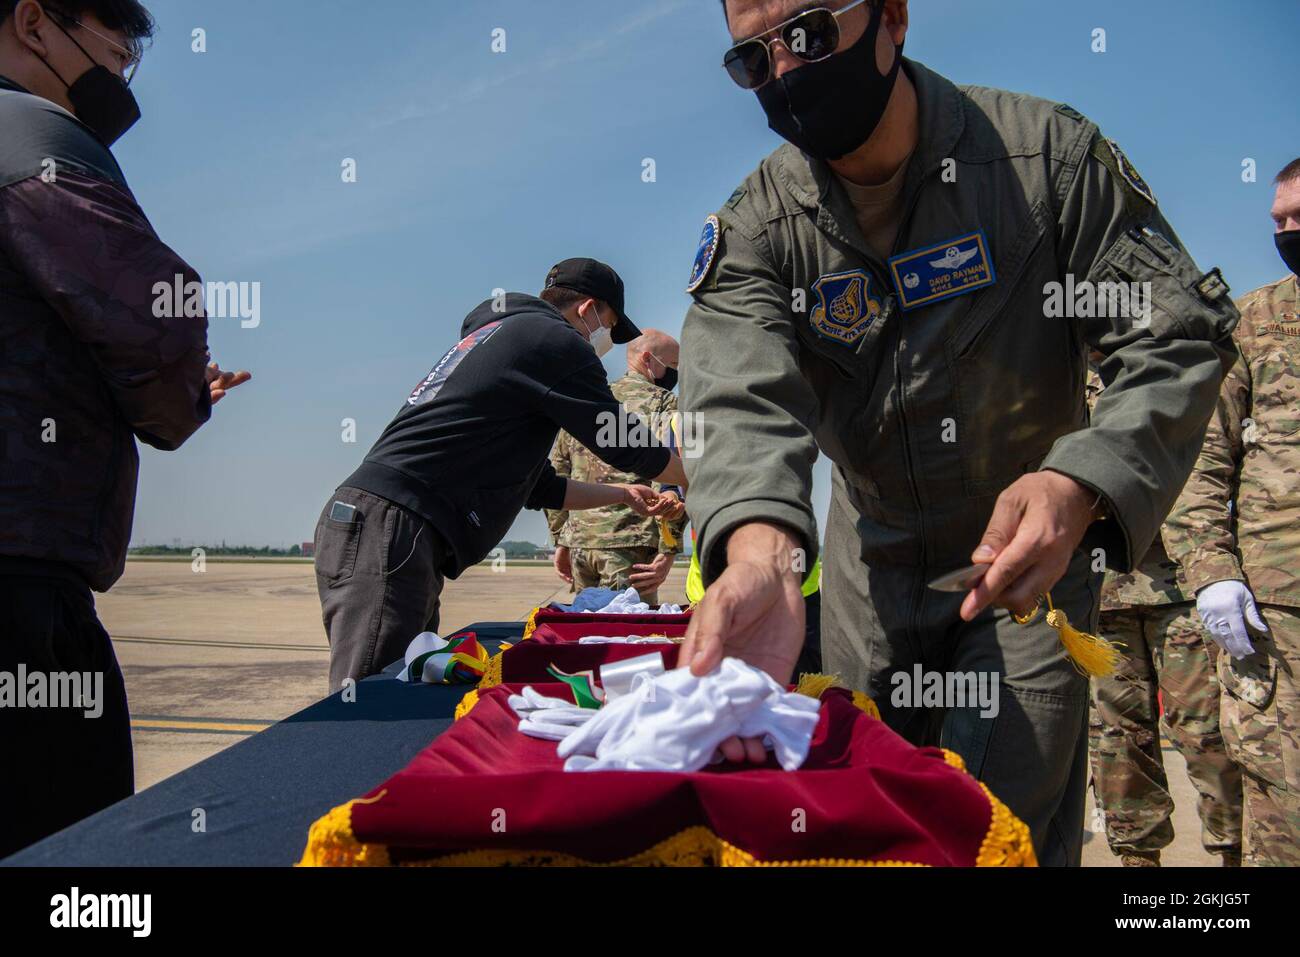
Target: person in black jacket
[88, 365]
[468, 450]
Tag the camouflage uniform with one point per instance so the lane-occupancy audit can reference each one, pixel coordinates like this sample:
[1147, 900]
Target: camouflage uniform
[606, 542]
[1249, 466]
[1147, 612]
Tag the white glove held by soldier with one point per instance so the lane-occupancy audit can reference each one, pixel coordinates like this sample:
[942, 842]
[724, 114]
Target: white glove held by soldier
[1225, 608]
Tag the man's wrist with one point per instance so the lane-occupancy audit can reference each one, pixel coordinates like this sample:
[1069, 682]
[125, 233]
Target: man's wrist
[762, 543]
[1094, 502]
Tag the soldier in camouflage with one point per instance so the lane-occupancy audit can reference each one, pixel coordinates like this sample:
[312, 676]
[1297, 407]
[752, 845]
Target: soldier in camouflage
[1147, 612]
[1236, 533]
[614, 547]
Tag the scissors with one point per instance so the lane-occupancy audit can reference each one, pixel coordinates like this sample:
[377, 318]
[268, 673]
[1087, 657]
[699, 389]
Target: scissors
[963, 579]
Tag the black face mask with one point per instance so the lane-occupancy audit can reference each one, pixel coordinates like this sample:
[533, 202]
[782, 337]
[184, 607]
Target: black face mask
[1288, 247]
[105, 103]
[831, 107]
[667, 381]
[100, 98]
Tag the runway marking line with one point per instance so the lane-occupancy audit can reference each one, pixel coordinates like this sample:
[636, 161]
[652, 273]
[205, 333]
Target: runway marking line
[219, 643]
[158, 722]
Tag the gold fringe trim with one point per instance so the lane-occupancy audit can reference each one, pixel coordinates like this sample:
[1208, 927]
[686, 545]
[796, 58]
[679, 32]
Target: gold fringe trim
[866, 704]
[693, 847]
[491, 672]
[331, 843]
[530, 625]
[466, 704]
[1007, 843]
[815, 685]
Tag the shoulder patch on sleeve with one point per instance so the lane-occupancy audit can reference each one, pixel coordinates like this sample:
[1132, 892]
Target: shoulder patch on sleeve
[1113, 158]
[735, 198]
[705, 254]
[1071, 112]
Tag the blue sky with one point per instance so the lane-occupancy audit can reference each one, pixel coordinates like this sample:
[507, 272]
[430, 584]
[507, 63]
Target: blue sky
[478, 170]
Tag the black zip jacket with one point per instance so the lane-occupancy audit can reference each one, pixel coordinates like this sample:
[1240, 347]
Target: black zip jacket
[468, 451]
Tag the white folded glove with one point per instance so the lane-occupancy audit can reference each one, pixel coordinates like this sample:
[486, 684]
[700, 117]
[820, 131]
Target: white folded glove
[552, 719]
[1226, 608]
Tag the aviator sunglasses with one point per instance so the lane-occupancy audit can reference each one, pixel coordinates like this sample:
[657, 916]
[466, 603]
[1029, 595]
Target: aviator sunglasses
[811, 36]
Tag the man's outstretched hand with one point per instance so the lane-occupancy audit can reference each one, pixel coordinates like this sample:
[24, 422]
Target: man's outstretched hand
[1037, 524]
[753, 611]
[641, 499]
[219, 382]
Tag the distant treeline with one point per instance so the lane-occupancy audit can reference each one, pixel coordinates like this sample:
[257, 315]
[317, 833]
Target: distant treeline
[512, 549]
[266, 551]
[525, 550]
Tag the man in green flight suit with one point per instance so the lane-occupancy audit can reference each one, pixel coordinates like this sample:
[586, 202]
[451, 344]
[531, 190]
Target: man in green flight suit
[910, 285]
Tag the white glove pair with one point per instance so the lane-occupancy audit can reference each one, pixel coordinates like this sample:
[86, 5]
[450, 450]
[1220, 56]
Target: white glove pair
[1226, 608]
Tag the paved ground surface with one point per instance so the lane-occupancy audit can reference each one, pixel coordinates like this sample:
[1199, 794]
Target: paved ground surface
[212, 657]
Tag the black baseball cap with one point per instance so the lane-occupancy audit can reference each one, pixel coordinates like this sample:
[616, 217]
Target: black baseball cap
[593, 278]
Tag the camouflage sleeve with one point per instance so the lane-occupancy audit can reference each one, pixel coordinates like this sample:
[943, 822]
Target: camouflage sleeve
[1199, 533]
[752, 414]
[89, 251]
[557, 518]
[1163, 355]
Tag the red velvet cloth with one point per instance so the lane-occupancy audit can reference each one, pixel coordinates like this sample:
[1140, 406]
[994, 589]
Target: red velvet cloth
[864, 794]
[555, 626]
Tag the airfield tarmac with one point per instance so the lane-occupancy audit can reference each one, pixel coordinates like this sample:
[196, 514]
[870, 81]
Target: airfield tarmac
[212, 657]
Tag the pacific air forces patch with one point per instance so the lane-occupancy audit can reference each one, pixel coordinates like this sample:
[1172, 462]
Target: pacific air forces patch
[1130, 174]
[704, 256]
[845, 306]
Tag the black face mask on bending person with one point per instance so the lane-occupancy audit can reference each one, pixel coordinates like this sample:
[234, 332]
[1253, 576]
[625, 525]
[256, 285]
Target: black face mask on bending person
[667, 381]
[1288, 247]
[100, 98]
[831, 107]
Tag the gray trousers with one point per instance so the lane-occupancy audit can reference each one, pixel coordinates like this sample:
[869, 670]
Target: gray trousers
[379, 582]
[880, 620]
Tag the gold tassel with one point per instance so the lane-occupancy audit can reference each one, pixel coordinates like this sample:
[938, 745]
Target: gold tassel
[814, 685]
[666, 533]
[1091, 654]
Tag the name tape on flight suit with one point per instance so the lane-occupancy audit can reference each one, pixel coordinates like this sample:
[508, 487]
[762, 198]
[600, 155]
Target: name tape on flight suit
[948, 269]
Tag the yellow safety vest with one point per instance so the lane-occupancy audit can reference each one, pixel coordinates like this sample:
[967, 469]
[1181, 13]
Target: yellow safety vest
[695, 580]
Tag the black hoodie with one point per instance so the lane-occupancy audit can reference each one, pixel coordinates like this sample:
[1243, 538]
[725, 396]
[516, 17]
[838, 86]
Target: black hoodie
[469, 448]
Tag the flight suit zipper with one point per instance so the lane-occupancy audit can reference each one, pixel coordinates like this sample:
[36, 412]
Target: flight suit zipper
[915, 599]
[899, 403]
